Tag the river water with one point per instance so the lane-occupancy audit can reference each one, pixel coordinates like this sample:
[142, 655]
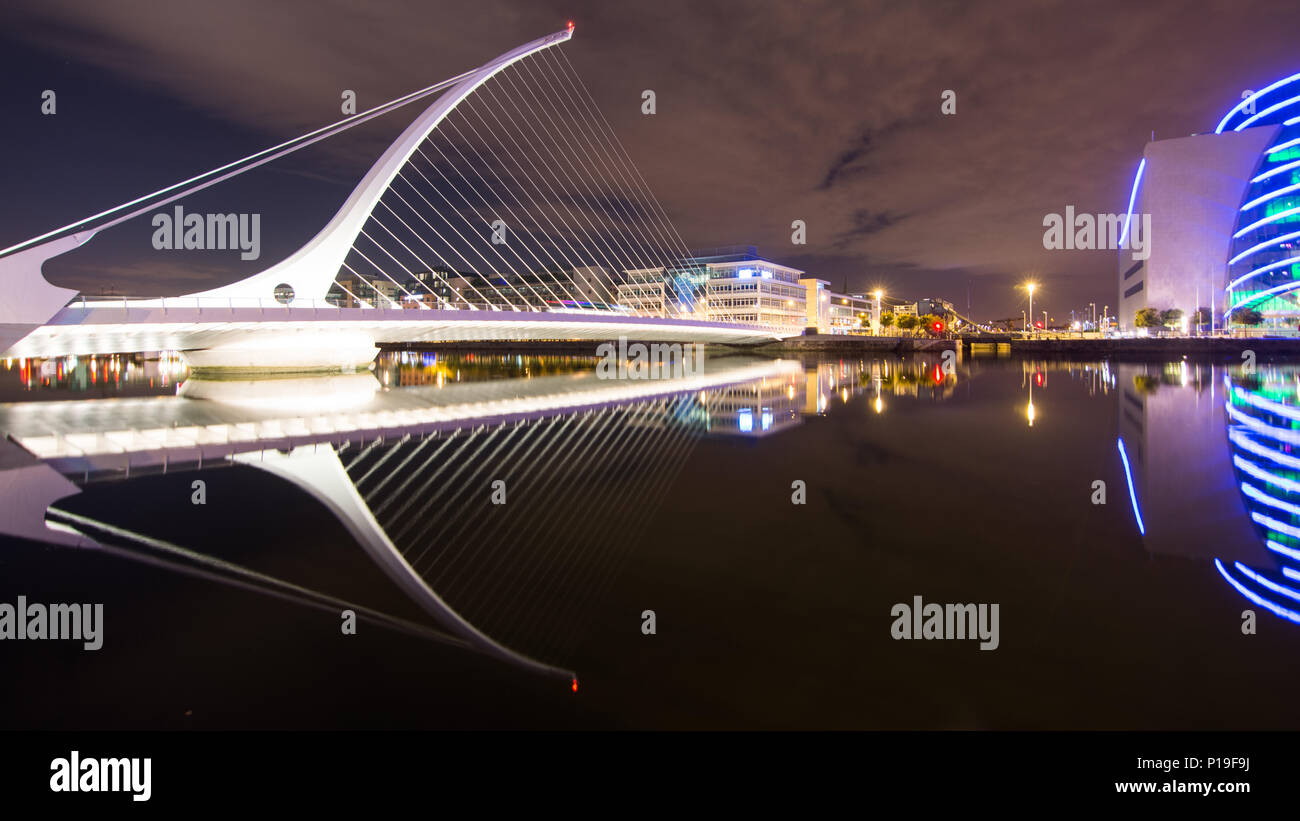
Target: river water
[520, 543]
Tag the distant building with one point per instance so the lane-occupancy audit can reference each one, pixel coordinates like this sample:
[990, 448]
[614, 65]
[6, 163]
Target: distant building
[643, 292]
[833, 313]
[939, 307]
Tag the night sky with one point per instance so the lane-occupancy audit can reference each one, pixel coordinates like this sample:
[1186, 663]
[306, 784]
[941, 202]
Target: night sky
[827, 112]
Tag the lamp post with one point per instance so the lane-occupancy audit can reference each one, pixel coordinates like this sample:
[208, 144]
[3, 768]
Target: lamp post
[875, 316]
[1030, 286]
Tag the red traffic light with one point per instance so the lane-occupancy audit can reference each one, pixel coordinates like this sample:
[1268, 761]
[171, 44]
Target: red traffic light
[1038, 324]
[937, 327]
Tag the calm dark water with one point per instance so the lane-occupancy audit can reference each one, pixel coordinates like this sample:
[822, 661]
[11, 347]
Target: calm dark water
[976, 486]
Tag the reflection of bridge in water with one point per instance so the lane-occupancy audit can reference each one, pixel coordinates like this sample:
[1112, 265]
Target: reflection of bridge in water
[508, 209]
[409, 474]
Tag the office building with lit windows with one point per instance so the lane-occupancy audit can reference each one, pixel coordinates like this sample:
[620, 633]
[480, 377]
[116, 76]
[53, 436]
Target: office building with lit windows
[730, 284]
[1224, 220]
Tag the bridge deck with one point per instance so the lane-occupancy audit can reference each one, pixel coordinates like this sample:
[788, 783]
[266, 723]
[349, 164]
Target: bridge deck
[128, 328]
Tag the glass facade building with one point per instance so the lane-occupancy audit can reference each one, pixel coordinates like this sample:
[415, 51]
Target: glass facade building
[1218, 219]
[1264, 262]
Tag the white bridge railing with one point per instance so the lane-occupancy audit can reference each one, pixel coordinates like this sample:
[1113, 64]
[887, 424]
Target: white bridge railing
[90, 303]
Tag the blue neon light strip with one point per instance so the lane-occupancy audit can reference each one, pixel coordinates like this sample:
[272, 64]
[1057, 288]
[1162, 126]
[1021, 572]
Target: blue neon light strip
[1252, 98]
[1266, 112]
[1285, 145]
[1264, 270]
[1272, 195]
[1290, 593]
[1264, 476]
[1273, 172]
[1264, 403]
[1244, 442]
[1276, 609]
[1132, 197]
[1289, 552]
[1132, 493]
[1274, 524]
[1271, 218]
[1272, 501]
[1262, 246]
[1291, 437]
[1281, 289]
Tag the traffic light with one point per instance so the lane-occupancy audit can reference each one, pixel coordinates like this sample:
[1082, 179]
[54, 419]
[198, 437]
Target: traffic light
[1038, 325]
[937, 327]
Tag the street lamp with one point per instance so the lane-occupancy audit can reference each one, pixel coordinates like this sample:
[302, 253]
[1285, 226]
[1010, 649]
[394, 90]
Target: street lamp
[1030, 286]
[875, 318]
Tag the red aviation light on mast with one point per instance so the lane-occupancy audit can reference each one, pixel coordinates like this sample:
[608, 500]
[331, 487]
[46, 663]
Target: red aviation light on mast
[570, 25]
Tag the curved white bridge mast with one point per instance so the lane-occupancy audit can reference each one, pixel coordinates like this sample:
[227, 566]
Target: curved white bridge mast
[311, 270]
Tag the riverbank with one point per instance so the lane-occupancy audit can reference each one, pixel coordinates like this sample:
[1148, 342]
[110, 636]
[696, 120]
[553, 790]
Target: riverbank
[1157, 348]
[845, 344]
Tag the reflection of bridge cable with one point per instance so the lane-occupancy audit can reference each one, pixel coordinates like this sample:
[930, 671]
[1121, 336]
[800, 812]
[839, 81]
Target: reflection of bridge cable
[190, 562]
[542, 459]
[565, 552]
[600, 575]
[531, 577]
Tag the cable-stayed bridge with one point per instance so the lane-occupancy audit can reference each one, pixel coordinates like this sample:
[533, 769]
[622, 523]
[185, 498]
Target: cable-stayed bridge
[508, 209]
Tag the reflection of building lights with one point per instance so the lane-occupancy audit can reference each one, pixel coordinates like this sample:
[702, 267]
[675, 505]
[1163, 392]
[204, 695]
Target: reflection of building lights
[844, 394]
[745, 420]
[789, 392]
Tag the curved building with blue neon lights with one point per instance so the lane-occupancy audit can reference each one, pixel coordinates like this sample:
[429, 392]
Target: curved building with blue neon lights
[1224, 212]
